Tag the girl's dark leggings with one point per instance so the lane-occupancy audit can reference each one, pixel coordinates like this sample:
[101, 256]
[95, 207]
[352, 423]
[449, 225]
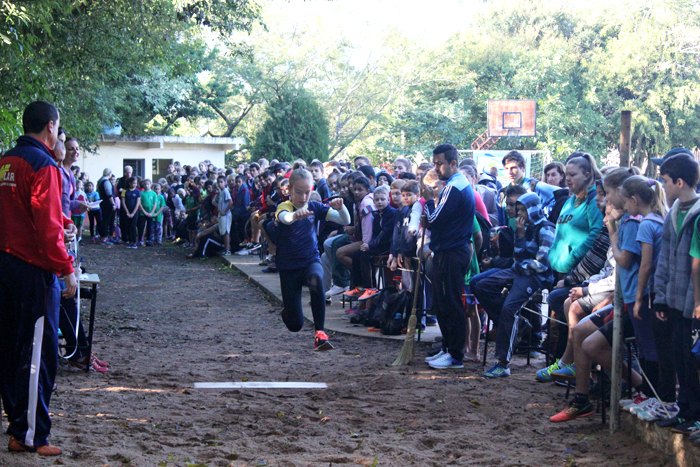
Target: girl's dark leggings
[291, 282]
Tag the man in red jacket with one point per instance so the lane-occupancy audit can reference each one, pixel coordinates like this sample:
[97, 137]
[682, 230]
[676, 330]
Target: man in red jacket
[32, 254]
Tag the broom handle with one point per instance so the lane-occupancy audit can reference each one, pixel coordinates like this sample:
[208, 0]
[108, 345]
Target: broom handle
[416, 286]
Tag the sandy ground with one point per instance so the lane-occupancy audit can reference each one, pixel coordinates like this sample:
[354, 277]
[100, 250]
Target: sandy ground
[164, 324]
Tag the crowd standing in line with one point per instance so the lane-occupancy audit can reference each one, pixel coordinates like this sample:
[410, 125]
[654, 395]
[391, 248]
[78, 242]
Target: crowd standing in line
[488, 249]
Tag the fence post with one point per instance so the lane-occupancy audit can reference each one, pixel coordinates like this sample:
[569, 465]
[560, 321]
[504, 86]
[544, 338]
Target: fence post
[625, 136]
[616, 377]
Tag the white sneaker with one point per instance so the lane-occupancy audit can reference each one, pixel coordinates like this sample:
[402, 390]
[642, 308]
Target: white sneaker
[660, 411]
[434, 357]
[336, 290]
[646, 405]
[446, 362]
[242, 253]
[227, 253]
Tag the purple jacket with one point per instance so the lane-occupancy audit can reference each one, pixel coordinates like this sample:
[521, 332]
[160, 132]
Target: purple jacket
[68, 202]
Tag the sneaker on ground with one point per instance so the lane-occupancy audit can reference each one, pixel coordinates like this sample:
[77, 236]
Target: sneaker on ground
[44, 451]
[497, 371]
[431, 321]
[545, 374]
[98, 361]
[354, 293]
[661, 411]
[686, 428]
[573, 412]
[227, 253]
[637, 400]
[446, 362]
[566, 373]
[335, 290]
[634, 409]
[645, 406]
[255, 247]
[435, 357]
[329, 300]
[369, 293]
[242, 253]
[321, 342]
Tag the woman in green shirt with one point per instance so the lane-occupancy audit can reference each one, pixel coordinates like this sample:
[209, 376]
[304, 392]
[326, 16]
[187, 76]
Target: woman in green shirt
[580, 219]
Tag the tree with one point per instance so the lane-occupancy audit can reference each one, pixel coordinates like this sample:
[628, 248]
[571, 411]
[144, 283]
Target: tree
[106, 59]
[296, 128]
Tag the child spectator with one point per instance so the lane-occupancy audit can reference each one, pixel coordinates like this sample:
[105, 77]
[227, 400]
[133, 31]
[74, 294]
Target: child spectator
[161, 208]
[297, 254]
[94, 214]
[316, 169]
[645, 197]
[192, 212]
[368, 171]
[224, 203]
[336, 277]
[675, 299]
[131, 203]
[77, 215]
[364, 217]
[402, 165]
[585, 290]
[530, 271]
[382, 232]
[403, 244]
[385, 179]
[147, 212]
[241, 200]
[396, 187]
[333, 183]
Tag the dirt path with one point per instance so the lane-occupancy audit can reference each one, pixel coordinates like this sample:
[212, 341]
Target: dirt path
[164, 324]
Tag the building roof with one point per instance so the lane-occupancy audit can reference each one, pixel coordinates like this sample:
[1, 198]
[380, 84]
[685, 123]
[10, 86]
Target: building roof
[161, 141]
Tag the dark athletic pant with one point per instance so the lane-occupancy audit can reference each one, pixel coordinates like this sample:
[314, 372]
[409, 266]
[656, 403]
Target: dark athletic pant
[68, 316]
[145, 224]
[29, 298]
[291, 282]
[95, 219]
[449, 269]
[663, 338]
[487, 288]
[555, 300]
[688, 382]
[129, 228]
[362, 269]
[105, 225]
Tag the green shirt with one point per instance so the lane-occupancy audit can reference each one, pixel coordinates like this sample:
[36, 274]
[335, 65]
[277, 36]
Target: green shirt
[474, 265]
[679, 222]
[148, 200]
[160, 203]
[695, 242]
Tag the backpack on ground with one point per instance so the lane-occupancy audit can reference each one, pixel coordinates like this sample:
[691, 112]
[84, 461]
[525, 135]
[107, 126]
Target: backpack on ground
[396, 313]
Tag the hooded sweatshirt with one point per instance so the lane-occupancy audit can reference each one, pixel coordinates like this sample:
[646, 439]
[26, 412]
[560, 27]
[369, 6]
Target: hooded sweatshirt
[531, 252]
[577, 228]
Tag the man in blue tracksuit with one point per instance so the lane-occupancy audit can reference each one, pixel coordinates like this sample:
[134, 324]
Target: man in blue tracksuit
[450, 221]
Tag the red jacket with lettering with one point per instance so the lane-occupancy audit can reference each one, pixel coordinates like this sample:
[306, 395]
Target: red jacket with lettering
[30, 207]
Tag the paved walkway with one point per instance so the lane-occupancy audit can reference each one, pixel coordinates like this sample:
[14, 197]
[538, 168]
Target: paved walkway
[270, 284]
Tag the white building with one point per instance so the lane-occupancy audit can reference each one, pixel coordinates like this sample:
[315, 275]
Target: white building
[150, 155]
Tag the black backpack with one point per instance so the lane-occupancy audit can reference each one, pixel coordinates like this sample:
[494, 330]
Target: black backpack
[485, 227]
[396, 313]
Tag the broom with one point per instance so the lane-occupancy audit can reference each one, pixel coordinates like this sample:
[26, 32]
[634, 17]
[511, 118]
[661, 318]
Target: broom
[409, 345]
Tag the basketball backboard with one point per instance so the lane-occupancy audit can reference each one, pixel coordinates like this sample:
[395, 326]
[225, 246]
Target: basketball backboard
[512, 118]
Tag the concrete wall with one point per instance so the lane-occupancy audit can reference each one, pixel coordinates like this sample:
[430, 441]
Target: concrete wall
[113, 155]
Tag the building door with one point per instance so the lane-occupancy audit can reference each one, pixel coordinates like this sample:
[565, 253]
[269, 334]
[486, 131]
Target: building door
[138, 165]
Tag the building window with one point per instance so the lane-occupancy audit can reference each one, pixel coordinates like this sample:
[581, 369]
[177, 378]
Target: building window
[159, 168]
[138, 165]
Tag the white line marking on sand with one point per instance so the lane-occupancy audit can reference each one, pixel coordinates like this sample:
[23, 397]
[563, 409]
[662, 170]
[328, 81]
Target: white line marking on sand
[260, 385]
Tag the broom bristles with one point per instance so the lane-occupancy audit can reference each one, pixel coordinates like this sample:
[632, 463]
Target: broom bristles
[408, 351]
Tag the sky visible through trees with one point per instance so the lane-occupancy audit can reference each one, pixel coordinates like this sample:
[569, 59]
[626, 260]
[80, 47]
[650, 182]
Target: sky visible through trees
[389, 78]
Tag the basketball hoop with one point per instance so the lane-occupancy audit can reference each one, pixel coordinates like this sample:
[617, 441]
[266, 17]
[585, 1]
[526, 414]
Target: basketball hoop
[512, 118]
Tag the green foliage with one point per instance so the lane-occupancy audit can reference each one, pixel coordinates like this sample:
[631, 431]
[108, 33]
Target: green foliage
[103, 63]
[296, 128]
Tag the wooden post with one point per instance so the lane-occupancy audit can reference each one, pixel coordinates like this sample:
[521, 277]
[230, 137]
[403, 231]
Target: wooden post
[616, 377]
[625, 136]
